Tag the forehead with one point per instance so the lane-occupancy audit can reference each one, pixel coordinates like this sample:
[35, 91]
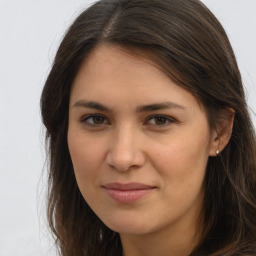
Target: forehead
[110, 60]
[113, 73]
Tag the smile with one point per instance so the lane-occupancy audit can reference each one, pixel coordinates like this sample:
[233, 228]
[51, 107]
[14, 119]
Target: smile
[127, 193]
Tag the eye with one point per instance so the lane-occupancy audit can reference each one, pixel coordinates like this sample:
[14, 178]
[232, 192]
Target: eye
[95, 120]
[160, 120]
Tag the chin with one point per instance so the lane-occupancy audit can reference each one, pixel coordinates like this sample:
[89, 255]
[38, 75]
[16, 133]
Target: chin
[130, 226]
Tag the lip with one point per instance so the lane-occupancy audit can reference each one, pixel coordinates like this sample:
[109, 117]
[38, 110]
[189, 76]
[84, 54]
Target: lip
[128, 192]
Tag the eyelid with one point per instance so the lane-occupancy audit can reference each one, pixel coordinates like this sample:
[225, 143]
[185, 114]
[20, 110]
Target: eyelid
[170, 120]
[86, 117]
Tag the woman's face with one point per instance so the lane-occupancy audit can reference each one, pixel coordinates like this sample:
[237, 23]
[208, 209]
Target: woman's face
[139, 144]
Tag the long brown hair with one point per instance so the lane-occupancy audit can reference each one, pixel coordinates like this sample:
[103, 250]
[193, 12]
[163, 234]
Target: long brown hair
[188, 43]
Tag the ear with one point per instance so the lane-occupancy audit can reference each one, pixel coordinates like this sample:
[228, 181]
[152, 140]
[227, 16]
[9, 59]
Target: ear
[222, 133]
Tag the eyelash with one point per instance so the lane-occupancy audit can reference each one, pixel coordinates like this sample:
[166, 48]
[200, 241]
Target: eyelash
[85, 120]
[88, 117]
[167, 119]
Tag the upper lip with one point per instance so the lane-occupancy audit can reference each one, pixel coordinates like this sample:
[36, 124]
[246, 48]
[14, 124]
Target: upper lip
[127, 186]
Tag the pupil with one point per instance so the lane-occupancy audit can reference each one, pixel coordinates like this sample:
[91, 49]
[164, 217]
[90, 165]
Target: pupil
[98, 120]
[160, 120]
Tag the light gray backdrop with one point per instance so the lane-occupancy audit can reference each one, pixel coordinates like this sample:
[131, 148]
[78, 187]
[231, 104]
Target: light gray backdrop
[30, 32]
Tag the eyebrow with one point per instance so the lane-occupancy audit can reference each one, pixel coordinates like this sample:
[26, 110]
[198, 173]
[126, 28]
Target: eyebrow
[144, 108]
[91, 104]
[159, 106]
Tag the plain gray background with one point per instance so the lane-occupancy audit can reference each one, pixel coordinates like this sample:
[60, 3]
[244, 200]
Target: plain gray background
[30, 32]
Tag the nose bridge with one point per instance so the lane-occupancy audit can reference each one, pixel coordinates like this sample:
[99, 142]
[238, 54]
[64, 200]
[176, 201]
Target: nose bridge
[125, 150]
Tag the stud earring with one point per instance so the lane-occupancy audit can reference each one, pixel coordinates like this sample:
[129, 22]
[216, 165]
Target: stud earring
[217, 152]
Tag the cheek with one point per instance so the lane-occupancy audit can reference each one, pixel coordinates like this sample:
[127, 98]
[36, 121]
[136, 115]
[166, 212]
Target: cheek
[87, 158]
[86, 155]
[183, 160]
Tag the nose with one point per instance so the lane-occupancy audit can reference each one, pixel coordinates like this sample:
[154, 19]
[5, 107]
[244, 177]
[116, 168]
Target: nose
[125, 152]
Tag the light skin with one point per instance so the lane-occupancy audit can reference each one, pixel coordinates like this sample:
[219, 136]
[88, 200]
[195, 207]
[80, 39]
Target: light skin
[128, 122]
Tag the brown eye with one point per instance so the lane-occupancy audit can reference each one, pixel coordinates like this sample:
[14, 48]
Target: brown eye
[94, 120]
[98, 120]
[160, 120]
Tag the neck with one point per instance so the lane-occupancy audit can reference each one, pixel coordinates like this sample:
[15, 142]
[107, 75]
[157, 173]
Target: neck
[178, 241]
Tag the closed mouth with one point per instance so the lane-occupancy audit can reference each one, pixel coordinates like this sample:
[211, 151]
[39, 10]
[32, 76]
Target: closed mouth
[129, 192]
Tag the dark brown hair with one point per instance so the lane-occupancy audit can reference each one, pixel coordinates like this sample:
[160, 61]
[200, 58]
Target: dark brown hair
[188, 43]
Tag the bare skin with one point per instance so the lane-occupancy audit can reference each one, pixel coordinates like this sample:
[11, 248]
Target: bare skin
[129, 124]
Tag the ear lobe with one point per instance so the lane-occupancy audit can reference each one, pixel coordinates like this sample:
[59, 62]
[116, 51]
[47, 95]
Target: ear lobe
[221, 135]
[215, 144]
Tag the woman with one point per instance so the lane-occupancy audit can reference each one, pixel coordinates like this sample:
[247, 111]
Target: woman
[151, 148]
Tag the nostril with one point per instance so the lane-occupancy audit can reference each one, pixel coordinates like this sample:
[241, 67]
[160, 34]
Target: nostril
[121, 162]
[124, 161]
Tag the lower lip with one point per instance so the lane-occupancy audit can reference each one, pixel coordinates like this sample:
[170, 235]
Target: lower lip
[128, 196]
